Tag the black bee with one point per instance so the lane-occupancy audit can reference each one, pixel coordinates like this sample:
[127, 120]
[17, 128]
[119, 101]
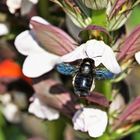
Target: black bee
[84, 75]
[83, 81]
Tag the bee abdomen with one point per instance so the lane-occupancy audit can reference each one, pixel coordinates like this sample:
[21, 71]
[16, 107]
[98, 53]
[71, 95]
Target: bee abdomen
[82, 84]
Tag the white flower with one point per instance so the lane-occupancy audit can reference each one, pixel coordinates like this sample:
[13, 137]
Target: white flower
[3, 29]
[38, 60]
[137, 57]
[34, 1]
[5, 98]
[11, 113]
[91, 120]
[43, 111]
[13, 5]
[24, 5]
[96, 50]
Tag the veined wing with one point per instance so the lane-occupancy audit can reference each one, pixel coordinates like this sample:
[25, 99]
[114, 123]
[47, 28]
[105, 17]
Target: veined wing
[102, 74]
[66, 69]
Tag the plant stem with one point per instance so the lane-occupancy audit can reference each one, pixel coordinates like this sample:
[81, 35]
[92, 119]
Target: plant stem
[55, 129]
[104, 87]
[43, 8]
[103, 137]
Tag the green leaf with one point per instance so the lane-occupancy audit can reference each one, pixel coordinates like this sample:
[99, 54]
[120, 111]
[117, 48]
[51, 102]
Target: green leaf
[136, 136]
[133, 20]
[99, 18]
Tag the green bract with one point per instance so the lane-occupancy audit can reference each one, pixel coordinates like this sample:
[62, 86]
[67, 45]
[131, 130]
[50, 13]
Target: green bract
[110, 14]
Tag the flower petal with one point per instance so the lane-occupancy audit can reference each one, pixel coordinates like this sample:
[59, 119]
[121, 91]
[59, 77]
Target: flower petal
[26, 7]
[99, 122]
[39, 61]
[109, 61]
[78, 53]
[78, 121]
[90, 120]
[13, 5]
[89, 49]
[96, 50]
[137, 57]
[38, 19]
[130, 45]
[34, 1]
[37, 64]
[11, 113]
[102, 53]
[3, 29]
[43, 111]
[26, 44]
[97, 98]
[52, 38]
[130, 115]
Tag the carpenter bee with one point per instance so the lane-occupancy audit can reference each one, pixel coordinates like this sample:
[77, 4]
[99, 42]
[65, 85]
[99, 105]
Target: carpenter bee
[84, 75]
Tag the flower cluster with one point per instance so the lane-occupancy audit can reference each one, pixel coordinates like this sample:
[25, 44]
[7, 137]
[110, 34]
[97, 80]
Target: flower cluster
[38, 57]
[54, 60]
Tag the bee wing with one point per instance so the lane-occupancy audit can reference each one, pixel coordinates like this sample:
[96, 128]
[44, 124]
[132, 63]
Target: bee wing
[102, 74]
[66, 69]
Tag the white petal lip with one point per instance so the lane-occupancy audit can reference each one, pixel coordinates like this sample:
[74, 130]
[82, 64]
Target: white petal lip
[109, 61]
[3, 29]
[43, 111]
[26, 44]
[34, 1]
[94, 124]
[137, 57]
[96, 50]
[78, 123]
[78, 53]
[91, 120]
[11, 113]
[37, 64]
[38, 60]
[13, 5]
